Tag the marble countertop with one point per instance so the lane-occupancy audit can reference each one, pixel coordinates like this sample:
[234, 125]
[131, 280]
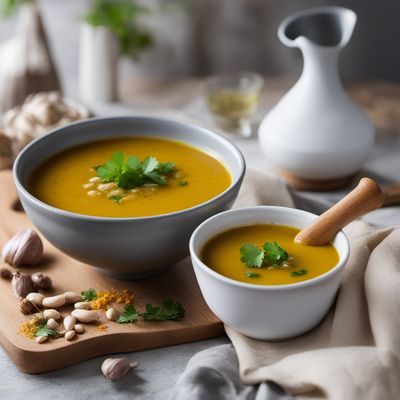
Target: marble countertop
[159, 368]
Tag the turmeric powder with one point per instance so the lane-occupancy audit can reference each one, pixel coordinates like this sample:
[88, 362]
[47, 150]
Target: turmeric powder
[105, 299]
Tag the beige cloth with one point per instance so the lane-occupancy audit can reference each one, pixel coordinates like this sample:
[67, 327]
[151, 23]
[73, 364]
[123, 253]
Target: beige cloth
[354, 353]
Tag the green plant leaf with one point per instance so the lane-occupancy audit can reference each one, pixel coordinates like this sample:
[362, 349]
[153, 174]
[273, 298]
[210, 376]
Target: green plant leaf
[44, 330]
[133, 173]
[129, 314]
[251, 255]
[275, 254]
[121, 18]
[88, 295]
[299, 273]
[170, 311]
[251, 274]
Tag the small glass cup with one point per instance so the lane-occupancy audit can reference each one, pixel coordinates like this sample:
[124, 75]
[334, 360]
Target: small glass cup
[232, 99]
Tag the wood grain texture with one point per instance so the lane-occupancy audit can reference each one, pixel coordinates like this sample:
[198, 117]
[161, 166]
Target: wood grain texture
[178, 282]
[366, 197]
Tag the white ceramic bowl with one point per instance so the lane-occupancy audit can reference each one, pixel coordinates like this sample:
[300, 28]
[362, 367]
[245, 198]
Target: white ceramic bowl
[264, 312]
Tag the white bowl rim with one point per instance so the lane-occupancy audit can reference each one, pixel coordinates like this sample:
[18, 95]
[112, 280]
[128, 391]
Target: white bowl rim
[84, 217]
[284, 287]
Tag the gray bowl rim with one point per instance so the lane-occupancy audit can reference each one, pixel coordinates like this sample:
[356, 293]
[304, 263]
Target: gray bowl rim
[93, 121]
[288, 286]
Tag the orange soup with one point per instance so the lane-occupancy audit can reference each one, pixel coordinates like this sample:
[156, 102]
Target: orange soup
[272, 247]
[129, 177]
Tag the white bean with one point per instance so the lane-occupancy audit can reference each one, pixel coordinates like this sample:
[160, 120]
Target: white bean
[69, 335]
[54, 301]
[85, 315]
[82, 305]
[41, 339]
[69, 322]
[47, 314]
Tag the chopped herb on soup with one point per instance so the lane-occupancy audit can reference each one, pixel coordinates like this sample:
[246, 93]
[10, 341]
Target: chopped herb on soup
[129, 173]
[270, 255]
[150, 176]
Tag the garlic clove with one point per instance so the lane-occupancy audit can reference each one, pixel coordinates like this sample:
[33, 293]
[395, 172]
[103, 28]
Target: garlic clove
[50, 313]
[69, 322]
[85, 315]
[115, 368]
[111, 314]
[24, 248]
[22, 284]
[54, 301]
[43, 281]
[35, 298]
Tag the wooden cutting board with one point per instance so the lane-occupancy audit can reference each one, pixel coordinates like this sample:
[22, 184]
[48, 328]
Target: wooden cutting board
[178, 282]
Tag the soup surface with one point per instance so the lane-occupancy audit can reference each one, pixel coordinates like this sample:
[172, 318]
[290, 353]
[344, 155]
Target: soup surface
[223, 254]
[69, 180]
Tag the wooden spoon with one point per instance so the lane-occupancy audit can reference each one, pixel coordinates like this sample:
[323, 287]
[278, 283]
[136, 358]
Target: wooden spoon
[366, 197]
[391, 194]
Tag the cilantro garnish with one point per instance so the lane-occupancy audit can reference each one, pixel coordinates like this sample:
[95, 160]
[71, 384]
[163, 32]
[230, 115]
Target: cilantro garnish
[115, 198]
[182, 183]
[275, 254]
[170, 311]
[271, 253]
[44, 330]
[88, 295]
[299, 273]
[132, 172]
[251, 274]
[251, 255]
[128, 315]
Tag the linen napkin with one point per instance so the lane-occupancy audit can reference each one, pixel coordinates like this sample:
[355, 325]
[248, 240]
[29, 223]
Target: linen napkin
[355, 352]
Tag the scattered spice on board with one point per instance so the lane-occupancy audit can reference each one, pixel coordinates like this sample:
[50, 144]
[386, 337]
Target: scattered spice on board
[104, 299]
[29, 328]
[102, 328]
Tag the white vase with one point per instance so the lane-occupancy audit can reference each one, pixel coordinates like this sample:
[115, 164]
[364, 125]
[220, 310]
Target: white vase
[316, 132]
[98, 64]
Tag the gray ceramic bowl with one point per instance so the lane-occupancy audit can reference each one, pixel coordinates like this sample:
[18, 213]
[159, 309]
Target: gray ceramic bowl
[124, 247]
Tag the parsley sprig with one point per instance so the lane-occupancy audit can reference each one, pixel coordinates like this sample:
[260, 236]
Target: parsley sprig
[131, 172]
[299, 273]
[44, 330]
[88, 295]
[170, 311]
[270, 253]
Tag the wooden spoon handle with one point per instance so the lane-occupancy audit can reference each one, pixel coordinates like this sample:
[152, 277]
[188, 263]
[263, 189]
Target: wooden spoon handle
[366, 197]
[391, 194]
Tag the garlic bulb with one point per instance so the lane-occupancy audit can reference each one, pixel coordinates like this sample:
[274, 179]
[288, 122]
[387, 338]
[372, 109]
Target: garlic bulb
[39, 114]
[24, 248]
[116, 368]
[29, 67]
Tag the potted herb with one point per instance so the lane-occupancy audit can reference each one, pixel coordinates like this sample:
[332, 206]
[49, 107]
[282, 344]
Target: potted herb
[110, 28]
[29, 67]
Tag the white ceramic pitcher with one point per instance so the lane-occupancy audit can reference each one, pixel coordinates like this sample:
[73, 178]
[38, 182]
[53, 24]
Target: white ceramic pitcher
[316, 132]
